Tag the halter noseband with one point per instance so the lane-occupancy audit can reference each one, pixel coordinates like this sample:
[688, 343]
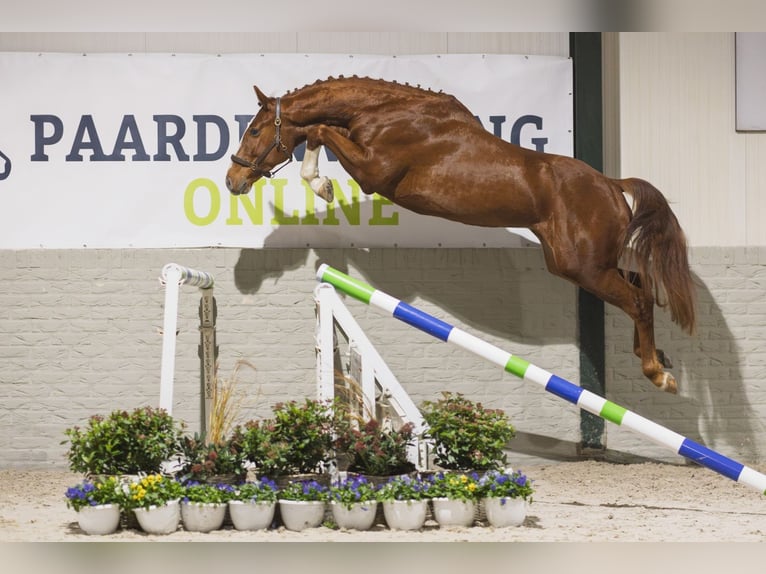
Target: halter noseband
[277, 143]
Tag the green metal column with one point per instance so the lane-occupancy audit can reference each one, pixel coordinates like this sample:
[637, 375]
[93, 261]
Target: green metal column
[585, 50]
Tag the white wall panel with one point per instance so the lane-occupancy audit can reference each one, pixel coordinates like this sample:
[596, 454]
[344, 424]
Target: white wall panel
[221, 42]
[552, 44]
[72, 42]
[677, 112]
[545, 44]
[373, 43]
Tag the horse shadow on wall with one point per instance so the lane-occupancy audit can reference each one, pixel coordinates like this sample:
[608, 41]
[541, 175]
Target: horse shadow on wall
[712, 386]
[509, 293]
[503, 292]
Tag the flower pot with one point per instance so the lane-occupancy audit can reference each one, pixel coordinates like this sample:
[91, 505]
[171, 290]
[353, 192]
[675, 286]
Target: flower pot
[100, 519]
[502, 512]
[159, 519]
[127, 518]
[301, 514]
[454, 512]
[250, 515]
[202, 516]
[359, 516]
[405, 514]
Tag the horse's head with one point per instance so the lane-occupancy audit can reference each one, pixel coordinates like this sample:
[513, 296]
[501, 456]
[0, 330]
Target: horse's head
[263, 146]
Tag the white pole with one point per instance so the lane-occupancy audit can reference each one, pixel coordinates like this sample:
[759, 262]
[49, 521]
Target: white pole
[171, 276]
[325, 346]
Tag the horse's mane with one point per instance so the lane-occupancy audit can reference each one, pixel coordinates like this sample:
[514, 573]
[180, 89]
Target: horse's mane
[378, 82]
[379, 88]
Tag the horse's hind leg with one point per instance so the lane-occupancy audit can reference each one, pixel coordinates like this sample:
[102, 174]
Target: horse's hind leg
[635, 279]
[639, 306]
[611, 286]
[662, 357]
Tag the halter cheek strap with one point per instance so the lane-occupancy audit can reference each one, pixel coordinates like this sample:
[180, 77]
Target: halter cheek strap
[277, 143]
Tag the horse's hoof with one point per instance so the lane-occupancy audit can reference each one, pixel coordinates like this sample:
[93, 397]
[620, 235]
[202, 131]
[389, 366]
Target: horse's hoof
[664, 359]
[328, 192]
[322, 186]
[668, 384]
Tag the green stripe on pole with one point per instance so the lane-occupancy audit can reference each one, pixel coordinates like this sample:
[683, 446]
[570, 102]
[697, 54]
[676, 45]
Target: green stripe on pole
[517, 366]
[613, 412]
[357, 289]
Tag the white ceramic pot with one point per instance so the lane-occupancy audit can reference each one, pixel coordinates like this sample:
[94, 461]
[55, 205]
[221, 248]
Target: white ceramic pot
[301, 514]
[453, 512]
[202, 517]
[405, 514]
[251, 515]
[502, 512]
[159, 519]
[359, 516]
[100, 519]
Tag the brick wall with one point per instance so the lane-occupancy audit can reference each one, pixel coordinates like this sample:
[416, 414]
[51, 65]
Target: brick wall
[722, 393]
[79, 335]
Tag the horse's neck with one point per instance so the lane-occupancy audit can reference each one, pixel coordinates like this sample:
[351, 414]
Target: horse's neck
[325, 104]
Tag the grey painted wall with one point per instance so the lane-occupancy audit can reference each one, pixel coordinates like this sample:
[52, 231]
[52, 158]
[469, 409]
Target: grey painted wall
[79, 335]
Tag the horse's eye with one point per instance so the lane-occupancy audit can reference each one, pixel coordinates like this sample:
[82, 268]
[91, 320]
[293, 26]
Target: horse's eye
[254, 132]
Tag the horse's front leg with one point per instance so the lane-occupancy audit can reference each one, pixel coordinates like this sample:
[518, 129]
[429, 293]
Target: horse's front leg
[358, 161]
[339, 143]
[322, 186]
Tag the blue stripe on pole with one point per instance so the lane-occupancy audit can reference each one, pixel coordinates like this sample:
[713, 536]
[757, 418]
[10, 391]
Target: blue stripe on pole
[564, 389]
[422, 321]
[711, 459]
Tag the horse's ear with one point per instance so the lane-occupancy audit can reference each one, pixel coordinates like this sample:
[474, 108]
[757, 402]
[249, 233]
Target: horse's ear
[263, 99]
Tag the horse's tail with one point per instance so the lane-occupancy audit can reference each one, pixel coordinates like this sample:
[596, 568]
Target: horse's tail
[659, 249]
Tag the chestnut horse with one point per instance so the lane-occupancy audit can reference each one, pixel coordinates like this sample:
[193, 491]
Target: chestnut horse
[426, 152]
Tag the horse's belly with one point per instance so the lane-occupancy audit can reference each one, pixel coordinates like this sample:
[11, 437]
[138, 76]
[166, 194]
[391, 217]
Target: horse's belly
[470, 205]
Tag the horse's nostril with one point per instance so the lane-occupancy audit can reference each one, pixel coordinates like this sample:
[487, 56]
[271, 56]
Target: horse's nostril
[228, 183]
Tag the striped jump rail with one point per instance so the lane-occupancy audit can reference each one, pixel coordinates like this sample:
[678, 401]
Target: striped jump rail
[554, 384]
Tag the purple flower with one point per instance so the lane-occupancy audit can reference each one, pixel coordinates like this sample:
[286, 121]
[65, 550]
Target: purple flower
[267, 483]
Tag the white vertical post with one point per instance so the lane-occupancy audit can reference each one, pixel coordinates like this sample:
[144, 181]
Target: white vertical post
[325, 339]
[171, 276]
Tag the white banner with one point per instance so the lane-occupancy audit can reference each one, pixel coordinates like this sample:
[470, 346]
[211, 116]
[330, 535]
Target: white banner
[118, 150]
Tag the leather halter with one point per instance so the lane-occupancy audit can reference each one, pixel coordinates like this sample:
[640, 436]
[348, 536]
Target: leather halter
[277, 143]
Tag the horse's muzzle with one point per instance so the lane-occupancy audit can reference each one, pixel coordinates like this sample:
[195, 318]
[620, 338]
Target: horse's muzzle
[239, 187]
